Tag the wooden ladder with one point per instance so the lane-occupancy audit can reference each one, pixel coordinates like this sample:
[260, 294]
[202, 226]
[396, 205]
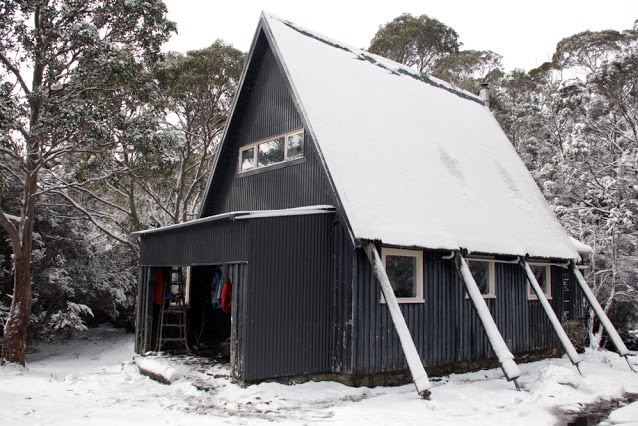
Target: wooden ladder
[172, 327]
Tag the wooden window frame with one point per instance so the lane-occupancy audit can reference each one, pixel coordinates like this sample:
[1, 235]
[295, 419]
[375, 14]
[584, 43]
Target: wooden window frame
[531, 294]
[255, 145]
[491, 271]
[418, 256]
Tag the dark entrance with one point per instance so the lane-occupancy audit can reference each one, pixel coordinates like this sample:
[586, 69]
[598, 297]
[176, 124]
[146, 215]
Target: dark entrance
[209, 317]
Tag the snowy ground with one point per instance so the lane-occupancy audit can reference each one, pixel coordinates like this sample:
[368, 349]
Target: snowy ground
[93, 380]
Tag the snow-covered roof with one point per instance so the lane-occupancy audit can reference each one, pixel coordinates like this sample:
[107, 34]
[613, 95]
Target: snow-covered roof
[582, 248]
[414, 161]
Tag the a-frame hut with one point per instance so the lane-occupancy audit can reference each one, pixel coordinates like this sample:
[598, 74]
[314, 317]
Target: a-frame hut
[372, 221]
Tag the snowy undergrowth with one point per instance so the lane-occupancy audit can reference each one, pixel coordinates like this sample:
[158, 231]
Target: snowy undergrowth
[93, 379]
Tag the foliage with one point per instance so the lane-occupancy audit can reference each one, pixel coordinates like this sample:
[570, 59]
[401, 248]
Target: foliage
[70, 318]
[467, 69]
[196, 90]
[73, 75]
[574, 122]
[419, 42]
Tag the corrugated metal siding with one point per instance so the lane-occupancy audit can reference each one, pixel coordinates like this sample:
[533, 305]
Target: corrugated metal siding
[573, 301]
[269, 109]
[266, 108]
[446, 328]
[143, 313]
[342, 306]
[287, 301]
[294, 185]
[509, 309]
[541, 332]
[201, 244]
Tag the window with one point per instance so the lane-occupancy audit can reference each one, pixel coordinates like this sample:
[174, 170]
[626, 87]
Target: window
[271, 151]
[544, 277]
[483, 272]
[405, 271]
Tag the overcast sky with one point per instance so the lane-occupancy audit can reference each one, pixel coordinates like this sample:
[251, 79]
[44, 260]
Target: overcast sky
[525, 33]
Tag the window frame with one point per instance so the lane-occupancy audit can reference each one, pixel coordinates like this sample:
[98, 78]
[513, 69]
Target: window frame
[255, 147]
[491, 271]
[531, 294]
[419, 281]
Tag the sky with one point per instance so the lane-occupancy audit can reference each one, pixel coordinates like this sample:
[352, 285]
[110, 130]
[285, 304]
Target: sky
[524, 33]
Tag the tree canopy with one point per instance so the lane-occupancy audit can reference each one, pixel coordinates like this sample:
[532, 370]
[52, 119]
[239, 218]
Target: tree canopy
[420, 42]
[73, 84]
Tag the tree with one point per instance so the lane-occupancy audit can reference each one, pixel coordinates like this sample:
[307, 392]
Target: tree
[67, 68]
[467, 69]
[420, 42]
[197, 90]
[574, 122]
[588, 50]
[159, 172]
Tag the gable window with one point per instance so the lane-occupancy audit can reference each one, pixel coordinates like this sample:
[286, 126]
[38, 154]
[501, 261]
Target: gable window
[405, 271]
[544, 277]
[483, 272]
[275, 150]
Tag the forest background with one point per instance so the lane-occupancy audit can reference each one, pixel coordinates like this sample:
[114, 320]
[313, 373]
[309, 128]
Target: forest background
[102, 135]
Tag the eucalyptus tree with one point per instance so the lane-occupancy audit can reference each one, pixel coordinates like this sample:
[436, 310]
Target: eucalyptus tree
[574, 121]
[468, 69]
[68, 76]
[420, 42]
[196, 90]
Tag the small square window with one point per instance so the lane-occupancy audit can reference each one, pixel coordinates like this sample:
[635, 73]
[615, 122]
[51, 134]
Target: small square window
[544, 277]
[270, 152]
[294, 145]
[483, 273]
[247, 160]
[405, 271]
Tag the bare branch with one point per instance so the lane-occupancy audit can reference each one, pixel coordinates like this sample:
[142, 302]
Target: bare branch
[102, 228]
[16, 72]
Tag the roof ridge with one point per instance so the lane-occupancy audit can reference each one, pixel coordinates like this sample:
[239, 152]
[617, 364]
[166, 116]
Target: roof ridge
[378, 61]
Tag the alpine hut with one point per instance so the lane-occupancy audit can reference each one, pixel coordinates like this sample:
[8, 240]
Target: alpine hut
[371, 221]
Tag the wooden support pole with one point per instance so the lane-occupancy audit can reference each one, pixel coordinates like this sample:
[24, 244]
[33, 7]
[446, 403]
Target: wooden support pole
[417, 370]
[562, 336]
[602, 316]
[505, 357]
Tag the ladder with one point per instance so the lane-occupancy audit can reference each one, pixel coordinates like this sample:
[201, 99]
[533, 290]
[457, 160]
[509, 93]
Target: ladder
[171, 333]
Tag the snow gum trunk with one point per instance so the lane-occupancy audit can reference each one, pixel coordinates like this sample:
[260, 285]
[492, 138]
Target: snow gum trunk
[15, 329]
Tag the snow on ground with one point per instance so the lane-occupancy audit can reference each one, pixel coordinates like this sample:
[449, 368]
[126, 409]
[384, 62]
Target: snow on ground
[93, 380]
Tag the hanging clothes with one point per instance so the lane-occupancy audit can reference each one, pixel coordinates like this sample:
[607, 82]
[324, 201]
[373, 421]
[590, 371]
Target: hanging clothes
[158, 291]
[227, 296]
[216, 290]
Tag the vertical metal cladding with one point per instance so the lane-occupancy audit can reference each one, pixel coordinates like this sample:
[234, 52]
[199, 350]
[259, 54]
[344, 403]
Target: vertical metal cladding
[446, 328]
[270, 110]
[287, 303]
[266, 108]
[200, 244]
[342, 306]
[143, 313]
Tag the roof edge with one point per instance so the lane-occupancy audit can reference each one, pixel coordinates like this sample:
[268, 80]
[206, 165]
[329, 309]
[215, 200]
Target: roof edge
[264, 25]
[243, 214]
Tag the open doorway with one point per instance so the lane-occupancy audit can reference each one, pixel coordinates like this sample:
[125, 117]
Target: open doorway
[206, 293]
[209, 315]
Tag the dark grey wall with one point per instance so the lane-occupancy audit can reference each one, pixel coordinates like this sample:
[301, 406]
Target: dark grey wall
[286, 300]
[446, 328]
[200, 244]
[266, 108]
